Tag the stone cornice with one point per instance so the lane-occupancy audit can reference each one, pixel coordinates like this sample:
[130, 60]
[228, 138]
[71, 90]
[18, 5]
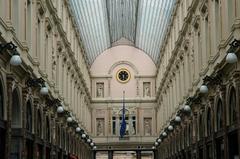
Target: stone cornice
[178, 43]
[133, 100]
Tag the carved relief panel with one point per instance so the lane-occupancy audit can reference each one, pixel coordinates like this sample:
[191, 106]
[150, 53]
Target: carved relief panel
[100, 126]
[147, 126]
[146, 89]
[100, 90]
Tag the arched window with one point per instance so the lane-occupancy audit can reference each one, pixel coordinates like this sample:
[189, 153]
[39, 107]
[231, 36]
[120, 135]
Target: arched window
[209, 122]
[232, 107]
[16, 111]
[29, 117]
[1, 102]
[219, 115]
[47, 129]
[39, 124]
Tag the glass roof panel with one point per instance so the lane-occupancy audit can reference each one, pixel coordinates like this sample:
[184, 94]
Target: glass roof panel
[104, 22]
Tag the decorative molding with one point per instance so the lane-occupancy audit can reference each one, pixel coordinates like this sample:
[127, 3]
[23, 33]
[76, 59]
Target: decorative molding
[121, 63]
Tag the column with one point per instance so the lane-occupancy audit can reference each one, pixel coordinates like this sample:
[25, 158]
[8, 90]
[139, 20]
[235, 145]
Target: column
[155, 153]
[138, 152]
[94, 154]
[110, 154]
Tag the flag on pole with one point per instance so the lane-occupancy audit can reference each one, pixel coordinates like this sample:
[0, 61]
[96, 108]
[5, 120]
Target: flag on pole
[123, 124]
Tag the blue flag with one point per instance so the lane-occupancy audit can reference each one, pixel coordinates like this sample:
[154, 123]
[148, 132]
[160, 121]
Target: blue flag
[123, 124]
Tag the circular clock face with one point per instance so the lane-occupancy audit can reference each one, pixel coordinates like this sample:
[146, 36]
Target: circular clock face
[123, 75]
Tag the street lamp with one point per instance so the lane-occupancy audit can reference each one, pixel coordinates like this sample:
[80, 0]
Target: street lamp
[15, 59]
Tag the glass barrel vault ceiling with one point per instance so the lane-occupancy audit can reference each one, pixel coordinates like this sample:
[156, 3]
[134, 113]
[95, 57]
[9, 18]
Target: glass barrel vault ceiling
[105, 23]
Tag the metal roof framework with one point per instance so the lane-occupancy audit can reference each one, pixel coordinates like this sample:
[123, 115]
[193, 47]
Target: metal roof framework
[106, 23]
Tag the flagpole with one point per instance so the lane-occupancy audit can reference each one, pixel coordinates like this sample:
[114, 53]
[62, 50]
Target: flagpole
[123, 124]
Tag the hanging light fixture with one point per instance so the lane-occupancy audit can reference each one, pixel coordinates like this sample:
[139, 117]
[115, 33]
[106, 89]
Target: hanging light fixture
[89, 140]
[153, 147]
[38, 82]
[15, 59]
[178, 119]
[156, 143]
[60, 109]
[91, 144]
[84, 135]
[159, 140]
[69, 119]
[187, 108]
[231, 56]
[78, 129]
[164, 134]
[203, 89]
[170, 128]
[44, 90]
[94, 147]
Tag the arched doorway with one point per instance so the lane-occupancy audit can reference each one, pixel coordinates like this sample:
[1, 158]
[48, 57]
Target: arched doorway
[232, 119]
[29, 138]
[2, 125]
[16, 125]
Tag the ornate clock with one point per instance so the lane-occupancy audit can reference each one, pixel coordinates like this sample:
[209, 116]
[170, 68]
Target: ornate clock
[123, 75]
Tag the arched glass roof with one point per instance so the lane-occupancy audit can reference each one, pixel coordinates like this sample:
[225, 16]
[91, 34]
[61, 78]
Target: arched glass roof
[106, 23]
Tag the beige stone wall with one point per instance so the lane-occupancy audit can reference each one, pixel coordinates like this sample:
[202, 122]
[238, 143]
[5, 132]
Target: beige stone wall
[196, 42]
[139, 96]
[50, 47]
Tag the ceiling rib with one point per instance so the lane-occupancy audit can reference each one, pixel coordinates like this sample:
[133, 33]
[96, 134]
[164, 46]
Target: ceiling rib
[141, 23]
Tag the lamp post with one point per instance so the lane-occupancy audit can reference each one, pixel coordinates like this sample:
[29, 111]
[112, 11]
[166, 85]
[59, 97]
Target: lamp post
[15, 59]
